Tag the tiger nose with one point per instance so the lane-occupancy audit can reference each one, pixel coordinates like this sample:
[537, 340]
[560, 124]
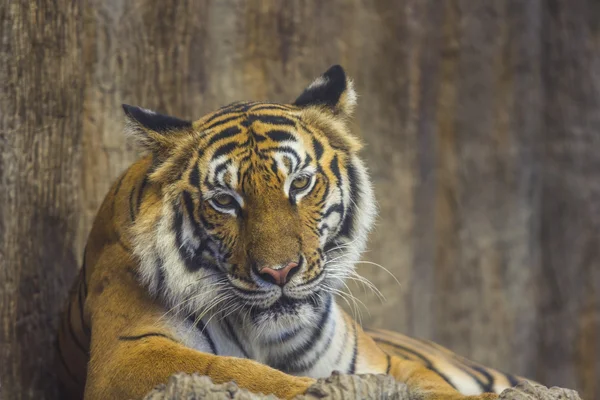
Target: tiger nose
[279, 276]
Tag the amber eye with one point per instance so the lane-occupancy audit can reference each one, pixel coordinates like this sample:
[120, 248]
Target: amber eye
[300, 183]
[224, 200]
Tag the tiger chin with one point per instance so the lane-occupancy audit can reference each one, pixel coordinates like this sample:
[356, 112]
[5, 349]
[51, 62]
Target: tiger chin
[220, 251]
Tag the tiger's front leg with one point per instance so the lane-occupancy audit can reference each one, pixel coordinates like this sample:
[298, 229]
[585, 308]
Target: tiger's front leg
[133, 348]
[137, 366]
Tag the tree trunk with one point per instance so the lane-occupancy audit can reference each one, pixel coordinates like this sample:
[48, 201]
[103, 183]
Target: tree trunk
[41, 93]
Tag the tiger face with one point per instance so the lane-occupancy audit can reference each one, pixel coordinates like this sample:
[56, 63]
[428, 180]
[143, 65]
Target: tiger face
[264, 207]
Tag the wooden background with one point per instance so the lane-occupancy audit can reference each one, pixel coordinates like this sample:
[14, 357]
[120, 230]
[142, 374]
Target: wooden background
[482, 124]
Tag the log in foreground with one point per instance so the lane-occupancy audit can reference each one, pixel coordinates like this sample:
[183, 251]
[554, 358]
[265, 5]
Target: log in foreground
[336, 387]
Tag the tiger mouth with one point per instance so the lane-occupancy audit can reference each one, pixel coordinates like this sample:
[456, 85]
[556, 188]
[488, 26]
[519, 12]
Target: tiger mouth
[285, 305]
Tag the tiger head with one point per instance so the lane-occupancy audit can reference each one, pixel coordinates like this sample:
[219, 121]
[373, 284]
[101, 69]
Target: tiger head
[264, 207]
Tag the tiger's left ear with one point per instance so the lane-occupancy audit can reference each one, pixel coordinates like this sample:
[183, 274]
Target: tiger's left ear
[153, 131]
[332, 90]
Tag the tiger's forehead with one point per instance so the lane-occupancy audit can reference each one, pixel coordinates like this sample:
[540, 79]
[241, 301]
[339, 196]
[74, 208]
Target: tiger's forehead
[255, 140]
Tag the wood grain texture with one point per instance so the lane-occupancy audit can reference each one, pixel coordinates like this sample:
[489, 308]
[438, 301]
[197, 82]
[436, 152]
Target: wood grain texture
[481, 127]
[41, 91]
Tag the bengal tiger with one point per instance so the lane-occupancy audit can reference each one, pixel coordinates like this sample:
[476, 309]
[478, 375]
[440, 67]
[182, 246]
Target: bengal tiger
[220, 252]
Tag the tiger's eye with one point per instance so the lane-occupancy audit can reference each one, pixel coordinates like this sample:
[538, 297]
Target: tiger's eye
[224, 200]
[300, 182]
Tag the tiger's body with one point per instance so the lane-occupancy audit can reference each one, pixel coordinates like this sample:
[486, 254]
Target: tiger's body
[220, 251]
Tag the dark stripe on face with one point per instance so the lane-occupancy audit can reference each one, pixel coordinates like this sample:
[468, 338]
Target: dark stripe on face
[226, 133]
[221, 167]
[348, 224]
[225, 149]
[231, 108]
[280, 136]
[221, 122]
[270, 106]
[289, 151]
[318, 147]
[272, 119]
[195, 176]
[335, 168]
[334, 208]
[146, 335]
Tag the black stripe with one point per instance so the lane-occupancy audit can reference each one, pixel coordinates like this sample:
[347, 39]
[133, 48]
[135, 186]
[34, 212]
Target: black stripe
[292, 357]
[224, 134]
[161, 276]
[280, 136]
[486, 387]
[72, 332]
[512, 380]
[140, 194]
[272, 119]
[288, 151]
[334, 208]
[222, 122]
[352, 368]
[234, 337]
[146, 335]
[195, 176]
[343, 347]
[131, 204]
[221, 167]
[318, 147]
[269, 106]
[225, 149]
[283, 337]
[61, 357]
[348, 223]
[304, 366]
[426, 361]
[202, 328]
[389, 364]
[334, 165]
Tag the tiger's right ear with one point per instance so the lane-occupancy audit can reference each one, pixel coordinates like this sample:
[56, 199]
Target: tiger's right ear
[331, 91]
[153, 131]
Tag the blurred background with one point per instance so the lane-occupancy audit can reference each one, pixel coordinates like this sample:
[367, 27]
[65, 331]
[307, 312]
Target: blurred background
[482, 128]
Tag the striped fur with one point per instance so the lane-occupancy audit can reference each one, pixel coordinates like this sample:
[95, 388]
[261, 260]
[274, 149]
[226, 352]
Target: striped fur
[173, 276]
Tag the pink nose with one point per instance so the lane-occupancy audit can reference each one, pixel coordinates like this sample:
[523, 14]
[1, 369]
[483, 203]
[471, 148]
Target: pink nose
[278, 276]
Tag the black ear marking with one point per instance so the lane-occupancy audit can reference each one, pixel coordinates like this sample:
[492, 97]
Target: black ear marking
[154, 121]
[325, 90]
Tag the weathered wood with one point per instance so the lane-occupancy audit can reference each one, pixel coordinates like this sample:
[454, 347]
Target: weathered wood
[481, 127]
[335, 387]
[41, 91]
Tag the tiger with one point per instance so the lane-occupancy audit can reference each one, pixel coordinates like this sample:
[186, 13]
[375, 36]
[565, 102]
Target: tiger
[220, 251]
